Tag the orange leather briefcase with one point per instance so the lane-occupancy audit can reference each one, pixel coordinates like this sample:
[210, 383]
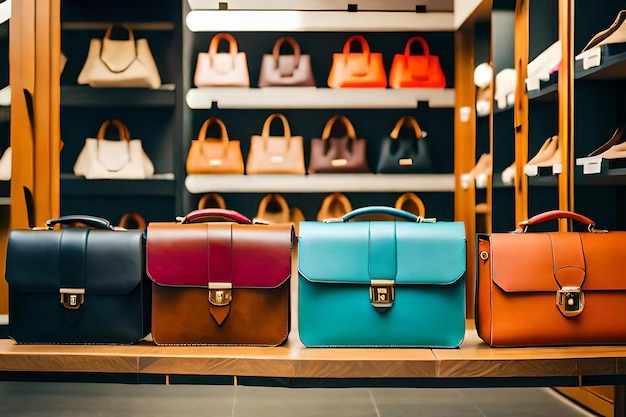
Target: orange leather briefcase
[551, 288]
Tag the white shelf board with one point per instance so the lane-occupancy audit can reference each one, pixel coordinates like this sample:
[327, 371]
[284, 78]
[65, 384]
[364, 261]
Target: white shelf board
[5, 11]
[320, 183]
[378, 5]
[5, 96]
[317, 21]
[5, 201]
[318, 98]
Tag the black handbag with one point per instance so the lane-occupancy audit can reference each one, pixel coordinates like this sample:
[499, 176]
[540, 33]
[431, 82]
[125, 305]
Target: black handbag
[406, 155]
[82, 284]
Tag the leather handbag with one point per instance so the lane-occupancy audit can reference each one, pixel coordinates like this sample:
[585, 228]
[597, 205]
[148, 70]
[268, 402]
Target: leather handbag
[334, 206]
[222, 69]
[214, 155]
[381, 283]
[125, 158]
[416, 71]
[132, 220]
[406, 155]
[273, 208]
[363, 69]
[551, 288]
[119, 63]
[219, 282]
[338, 153]
[286, 70]
[77, 285]
[411, 203]
[211, 200]
[276, 154]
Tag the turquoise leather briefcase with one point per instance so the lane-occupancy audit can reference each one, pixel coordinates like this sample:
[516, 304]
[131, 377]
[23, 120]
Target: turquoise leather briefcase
[381, 283]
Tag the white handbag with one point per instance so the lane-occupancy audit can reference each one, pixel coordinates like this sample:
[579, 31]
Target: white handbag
[113, 159]
[119, 63]
[222, 69]
[5, 165]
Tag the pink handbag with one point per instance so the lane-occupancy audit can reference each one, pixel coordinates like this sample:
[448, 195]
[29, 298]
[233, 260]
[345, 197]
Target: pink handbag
[286, 70]
[222, 69]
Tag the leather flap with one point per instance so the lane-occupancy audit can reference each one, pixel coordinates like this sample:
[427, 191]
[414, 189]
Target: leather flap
[178, 254]
[418, 67]
[526, 262]
[113, 261]
[357, 65]
[118, 54]
[424, 253]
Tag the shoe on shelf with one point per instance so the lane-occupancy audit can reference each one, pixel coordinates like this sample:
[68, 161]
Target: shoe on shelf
[615, 152]
[616, 33]
[483, 75]
[619, 136]
[482, 167]
[545, 64]
[482, 208]
[508, 175]
[505, 88]
[545, 152]
[546, 157]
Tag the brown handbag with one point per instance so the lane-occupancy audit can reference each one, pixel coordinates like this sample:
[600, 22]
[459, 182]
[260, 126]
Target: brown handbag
[214, 155]
[211, 200]
[270, 201]
[338, 154]
[219, 282]
[286, 70]
[551, 288]
[276, 154]
[132, 220]
[411, 203]
[334, 206]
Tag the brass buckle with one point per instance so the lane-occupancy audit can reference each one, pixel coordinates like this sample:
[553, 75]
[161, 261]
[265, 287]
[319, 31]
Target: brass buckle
[72, 298]
[570, 301]
[220, 293]
[382, 292]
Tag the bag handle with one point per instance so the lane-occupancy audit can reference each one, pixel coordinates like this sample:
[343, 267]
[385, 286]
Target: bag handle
[219, 200]
[407, 121]
[390, 211]
[346, 122]
[356, 38]
[412, 39]
[232, 46]
[268, 123]
[91, 221]
[294, 45]
[132, 216]
[131, 38]
[214, 119]
[122, 129]
[554, 215]
[336, 198]
[196, 216]
[410, 197]
[284, 207]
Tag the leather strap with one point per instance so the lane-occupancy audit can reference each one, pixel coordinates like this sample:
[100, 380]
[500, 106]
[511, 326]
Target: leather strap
[218, 199]
[220, 265]
[296, 50]
[284, 207]
[205, 126]
[382, 250]
[389, 211]
[336, 198]
[407, 121]
[266, 126]
[132, 216]
[412, 39]
[350, 132]
[232, 46]
[131, 39]
[356, 38]
[411, 198]
[568, 259]
[122, 129]
[554, 215]
[73, 264]
[209, 213]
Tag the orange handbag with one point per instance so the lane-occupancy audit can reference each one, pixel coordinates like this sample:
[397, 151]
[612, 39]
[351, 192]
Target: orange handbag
[416, 71]
[357, 69]
[551, 288]
[214, 155]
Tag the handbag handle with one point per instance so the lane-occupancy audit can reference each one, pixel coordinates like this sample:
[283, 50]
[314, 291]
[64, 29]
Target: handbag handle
[132, 216]
[346, 122]
[91, 221]
[131, 39]
[294, 45]
[206, 214]
[407, 121]
[553, 215]
[232, 46]
[356, 38]
[122, 129]
[390, 211]
[219, 200]
[412, 39]
[266, 126]
[336, 198]
[284, 207]
[214, 119]
[410, 197]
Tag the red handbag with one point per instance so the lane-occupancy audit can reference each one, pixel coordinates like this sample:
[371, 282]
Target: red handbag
[218, 279]
[363, 69]
[416, 71]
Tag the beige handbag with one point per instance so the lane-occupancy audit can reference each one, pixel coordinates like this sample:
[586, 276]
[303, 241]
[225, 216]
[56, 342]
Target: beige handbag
[211, 200]
[286, 70]
[276, 154]
[334, 206]
[5, 164]
[113, 159]
[273, 209]
[411, 203]
[119, 63]
[214, 155]
[222, 69]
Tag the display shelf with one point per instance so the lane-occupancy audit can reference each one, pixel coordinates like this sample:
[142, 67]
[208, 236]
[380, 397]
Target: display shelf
[317, 21]
[157, 185]
[319, 183]
[607, 62]
[105, 25]
[5, 201]
[546, 93]
[600, 171]
[317, 98]
[5, 11]
[85, 96]
[322, 5]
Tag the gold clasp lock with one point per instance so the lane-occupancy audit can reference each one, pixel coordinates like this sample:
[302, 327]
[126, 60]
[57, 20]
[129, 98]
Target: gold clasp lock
[220, 293]
[72, 298]
[382, 292]
[570, 301]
